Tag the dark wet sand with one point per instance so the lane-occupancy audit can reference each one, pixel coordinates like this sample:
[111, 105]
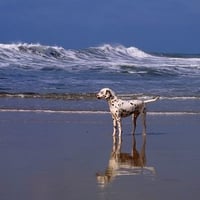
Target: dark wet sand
[57, 156]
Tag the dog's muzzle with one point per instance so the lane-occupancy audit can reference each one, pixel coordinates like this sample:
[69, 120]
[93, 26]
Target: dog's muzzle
[98, 97]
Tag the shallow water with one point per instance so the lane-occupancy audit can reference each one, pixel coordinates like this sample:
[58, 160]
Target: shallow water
[57, 156]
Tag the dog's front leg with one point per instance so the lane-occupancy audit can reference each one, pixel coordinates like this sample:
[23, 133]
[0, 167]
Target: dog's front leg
[114, 126]
[119, 124]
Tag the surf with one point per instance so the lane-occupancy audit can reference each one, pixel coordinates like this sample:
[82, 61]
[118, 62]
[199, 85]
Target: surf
[107, 57]
[36, 68]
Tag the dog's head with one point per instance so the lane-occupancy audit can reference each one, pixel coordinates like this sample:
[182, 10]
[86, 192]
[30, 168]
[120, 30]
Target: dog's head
[102, 179]
[105, 93]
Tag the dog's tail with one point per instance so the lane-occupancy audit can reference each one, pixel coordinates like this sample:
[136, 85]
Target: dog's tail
[152, 100]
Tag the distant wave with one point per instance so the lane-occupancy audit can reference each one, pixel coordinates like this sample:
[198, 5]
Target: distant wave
[106, 58]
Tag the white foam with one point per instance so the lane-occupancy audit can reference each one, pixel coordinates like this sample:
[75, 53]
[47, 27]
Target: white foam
[181, 98]
[90, 112]
[53, 111]
[110, 57]
[174, 113]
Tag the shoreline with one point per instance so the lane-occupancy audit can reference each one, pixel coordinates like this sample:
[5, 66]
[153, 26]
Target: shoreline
[162, 106]
[92, 112]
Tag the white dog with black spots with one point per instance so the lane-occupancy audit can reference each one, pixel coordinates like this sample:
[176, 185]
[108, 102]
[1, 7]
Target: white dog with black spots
[123, 108]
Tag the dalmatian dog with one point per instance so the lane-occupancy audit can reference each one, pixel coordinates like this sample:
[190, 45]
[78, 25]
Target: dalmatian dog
[123, 108]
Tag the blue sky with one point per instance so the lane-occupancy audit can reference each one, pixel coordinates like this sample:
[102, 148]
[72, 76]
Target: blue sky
[171, 26]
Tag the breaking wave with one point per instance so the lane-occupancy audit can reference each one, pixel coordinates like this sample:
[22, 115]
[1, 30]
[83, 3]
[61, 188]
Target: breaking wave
[103, 58]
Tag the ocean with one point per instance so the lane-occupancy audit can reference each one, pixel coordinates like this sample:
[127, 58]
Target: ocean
[49, 78]
[56, 136]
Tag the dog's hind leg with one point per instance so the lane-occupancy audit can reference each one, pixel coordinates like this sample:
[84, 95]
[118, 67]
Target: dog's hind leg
[144, 121]
[134, 118]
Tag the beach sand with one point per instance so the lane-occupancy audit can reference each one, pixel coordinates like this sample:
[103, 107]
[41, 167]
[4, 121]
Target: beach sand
[61, 156]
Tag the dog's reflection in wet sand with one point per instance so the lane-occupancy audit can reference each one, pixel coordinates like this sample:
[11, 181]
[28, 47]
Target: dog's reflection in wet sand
[121, 163]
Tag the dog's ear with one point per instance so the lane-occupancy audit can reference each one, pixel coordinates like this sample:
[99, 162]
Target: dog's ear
[108, 94]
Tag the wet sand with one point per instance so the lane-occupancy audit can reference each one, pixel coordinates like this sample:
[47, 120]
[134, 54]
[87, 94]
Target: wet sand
[73, 156]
